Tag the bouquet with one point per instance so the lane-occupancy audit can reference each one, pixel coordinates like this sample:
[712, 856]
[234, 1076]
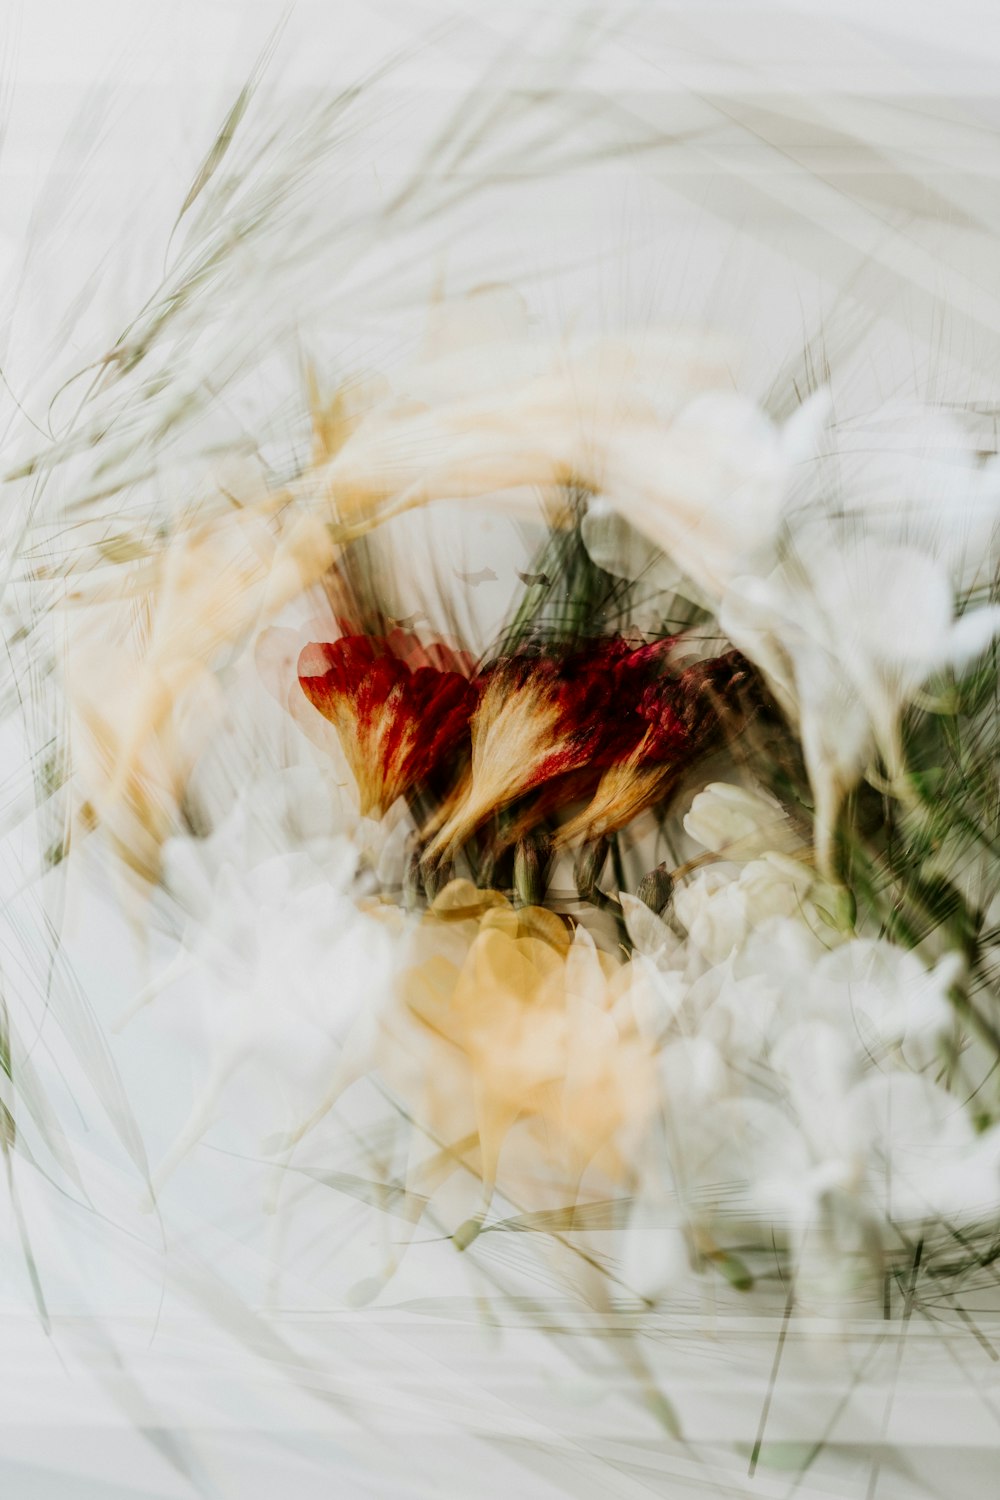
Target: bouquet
[548, 788]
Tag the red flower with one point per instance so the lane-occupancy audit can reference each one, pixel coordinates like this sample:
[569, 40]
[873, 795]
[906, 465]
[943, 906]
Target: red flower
[400, 720]
[553, 722]
[682, 718]
[610, 723]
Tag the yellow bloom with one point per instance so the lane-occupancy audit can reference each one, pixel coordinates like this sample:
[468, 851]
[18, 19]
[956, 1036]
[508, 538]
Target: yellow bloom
[201, 599]
[516, 1038]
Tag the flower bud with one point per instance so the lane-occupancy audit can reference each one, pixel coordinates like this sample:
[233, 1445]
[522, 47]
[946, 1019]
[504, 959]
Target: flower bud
[530, 864]
[656, 889]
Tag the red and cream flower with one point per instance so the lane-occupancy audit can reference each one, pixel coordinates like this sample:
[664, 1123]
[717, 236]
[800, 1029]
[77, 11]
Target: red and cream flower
[401, 710]
[552, 723]
[681, 718]
[610, 723]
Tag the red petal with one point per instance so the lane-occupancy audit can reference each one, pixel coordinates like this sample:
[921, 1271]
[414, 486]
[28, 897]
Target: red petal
[397, 727]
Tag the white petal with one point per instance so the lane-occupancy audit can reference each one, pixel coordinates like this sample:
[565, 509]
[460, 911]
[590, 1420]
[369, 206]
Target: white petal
[738, 822]
[970, 635]
[619, 548]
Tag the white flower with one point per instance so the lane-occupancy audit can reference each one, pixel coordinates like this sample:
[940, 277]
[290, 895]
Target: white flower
[923, 1155]
[649, 934]
[724, 1160]
[283, 973]
[720, 907]
[739, 823]
[909, 475]
[880, 996]
[706, 491]
[879, 530]
[694, 1077]
[655, 1256]
[782, 1062]
[888, 995]
[847, 632]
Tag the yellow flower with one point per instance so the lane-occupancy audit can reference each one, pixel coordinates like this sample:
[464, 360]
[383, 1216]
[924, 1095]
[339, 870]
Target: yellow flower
[145, 701]
[516, 1037]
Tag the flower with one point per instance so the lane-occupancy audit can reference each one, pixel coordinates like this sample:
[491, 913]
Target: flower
[682, 468]
[609, 722]
[846, 633]
[677, 719]
[739, 823]
[285, 966]
[540, 718]
[400, 721]
[510, 1027]
[908, 475]
[720, 908]
[702, 494]
[894, 999]
[797, 1084]
[143, 713]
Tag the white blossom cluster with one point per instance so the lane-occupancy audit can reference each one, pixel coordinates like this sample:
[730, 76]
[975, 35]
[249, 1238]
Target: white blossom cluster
[802, 1069]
